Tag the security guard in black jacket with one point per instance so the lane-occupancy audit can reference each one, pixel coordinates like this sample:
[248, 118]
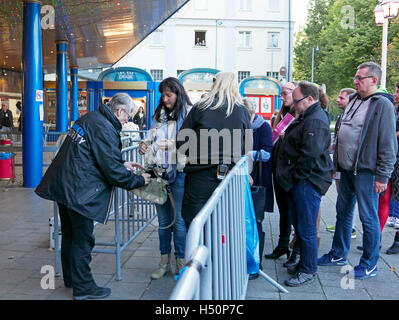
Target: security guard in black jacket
[81, 179]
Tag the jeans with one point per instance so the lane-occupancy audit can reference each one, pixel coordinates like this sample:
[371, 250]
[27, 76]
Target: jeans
[305, 201]
[165, 217]
[360, 188]
[76, 246]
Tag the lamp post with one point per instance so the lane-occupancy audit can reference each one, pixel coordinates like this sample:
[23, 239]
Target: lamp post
[386, 9]
[317, 50]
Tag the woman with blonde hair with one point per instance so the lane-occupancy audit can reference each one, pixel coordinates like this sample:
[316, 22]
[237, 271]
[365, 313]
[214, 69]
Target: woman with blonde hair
[213, 118]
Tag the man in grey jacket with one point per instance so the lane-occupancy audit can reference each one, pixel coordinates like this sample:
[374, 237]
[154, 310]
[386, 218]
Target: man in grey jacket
[365, 154]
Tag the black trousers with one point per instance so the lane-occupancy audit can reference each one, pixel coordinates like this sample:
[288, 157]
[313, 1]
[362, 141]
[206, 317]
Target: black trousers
[284, 207]
[76, 247]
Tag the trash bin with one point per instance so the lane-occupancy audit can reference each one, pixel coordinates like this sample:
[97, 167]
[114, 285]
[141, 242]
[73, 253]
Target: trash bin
[6, 166]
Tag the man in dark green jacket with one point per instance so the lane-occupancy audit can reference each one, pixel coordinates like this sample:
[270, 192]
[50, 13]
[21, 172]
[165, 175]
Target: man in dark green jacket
[81, 179]
[304, 168]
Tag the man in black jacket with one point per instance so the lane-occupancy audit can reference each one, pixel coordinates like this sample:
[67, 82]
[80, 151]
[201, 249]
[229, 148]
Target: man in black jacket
[304, 168]
[81, 179]
[6, 119]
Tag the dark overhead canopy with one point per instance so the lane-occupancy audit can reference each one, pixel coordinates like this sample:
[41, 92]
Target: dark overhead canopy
[98, 32]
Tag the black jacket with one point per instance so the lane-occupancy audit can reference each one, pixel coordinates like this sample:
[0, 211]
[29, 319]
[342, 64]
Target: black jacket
[6, 119]
[88, 166]
[304, 151]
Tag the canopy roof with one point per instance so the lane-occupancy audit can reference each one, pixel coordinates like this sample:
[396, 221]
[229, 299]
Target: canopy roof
[99, 32]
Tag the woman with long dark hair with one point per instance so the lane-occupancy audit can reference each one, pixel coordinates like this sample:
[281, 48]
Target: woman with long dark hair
[160, 152]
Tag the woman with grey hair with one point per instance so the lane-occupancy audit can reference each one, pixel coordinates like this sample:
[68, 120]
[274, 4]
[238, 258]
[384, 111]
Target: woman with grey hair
[82, 179]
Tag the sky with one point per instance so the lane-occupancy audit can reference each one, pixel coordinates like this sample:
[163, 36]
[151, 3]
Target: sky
[300, 8]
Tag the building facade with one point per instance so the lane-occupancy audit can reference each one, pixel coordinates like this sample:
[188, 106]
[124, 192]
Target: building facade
[248, 37]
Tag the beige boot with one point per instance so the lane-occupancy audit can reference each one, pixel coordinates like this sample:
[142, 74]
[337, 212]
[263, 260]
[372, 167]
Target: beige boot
[180, 263]
[164, 267]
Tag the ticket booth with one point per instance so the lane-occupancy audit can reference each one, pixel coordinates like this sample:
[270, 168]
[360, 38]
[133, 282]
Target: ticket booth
[197, 81]
[136, 82]
[50, 102]
[264, 92]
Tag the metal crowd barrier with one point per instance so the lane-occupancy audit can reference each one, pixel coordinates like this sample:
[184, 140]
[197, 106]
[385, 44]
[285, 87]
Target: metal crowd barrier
[130, 215]
[215, 245]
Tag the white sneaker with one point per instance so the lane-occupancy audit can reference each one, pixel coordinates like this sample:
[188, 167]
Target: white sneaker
[391, 221]
[396, 223]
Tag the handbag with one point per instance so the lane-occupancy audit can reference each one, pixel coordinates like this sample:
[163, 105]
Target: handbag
[156, 191]
[259, 192]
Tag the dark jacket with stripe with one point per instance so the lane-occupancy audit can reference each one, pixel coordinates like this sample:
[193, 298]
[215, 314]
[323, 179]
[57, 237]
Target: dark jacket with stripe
[88, 166]
[304, 151]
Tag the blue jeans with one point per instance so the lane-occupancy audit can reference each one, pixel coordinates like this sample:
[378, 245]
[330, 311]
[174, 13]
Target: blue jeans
[305, 202]
[360, 188]
[165, 217]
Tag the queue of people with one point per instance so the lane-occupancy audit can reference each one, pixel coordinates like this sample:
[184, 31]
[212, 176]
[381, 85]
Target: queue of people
[297, 169]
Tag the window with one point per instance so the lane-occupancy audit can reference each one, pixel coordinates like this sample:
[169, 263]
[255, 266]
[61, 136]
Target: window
[157, 38]
[201, 4]
[273, 74]
[200, 38]
[244, 39]
[243, 74]
[157, 75]
[273, 39]
[245, 4]
[274, 5]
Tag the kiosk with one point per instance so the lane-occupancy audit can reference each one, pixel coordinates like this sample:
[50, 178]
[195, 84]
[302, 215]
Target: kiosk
[264, 92]
[136, 82]
[197, 81]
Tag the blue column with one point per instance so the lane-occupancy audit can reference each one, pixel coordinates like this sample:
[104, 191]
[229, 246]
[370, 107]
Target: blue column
[62, 87]
[91, 99]
[33, 112]
[73, 100]
[100, 97]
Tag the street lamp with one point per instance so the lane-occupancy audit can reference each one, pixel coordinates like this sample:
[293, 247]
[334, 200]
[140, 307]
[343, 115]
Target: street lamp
[317, 51]
[386, 9]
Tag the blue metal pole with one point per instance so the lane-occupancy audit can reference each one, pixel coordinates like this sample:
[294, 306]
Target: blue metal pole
[62, 87]
[33, 111]
[73, 100]
[100, 97]
[91, 99]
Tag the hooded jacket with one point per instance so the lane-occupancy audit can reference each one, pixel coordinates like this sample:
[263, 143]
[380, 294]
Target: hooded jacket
[378, 143]
[304, 151]
[88, 166]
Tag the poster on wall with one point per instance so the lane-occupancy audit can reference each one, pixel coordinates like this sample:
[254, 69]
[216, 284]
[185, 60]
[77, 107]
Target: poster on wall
[266, 105]
[50, 107]
[255, 102]
[82, 103]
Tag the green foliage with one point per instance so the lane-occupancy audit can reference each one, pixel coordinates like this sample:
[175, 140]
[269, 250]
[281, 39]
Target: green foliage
[343, 46]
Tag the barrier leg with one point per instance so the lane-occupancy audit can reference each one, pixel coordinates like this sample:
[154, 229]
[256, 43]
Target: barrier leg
[272, 282]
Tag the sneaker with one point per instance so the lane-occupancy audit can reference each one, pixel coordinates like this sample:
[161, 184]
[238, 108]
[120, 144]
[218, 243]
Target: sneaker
[362, 272]
[330, 260]
[330, 228]
[97, 293]
[300, 279]
[396, 223]
[353, 235]
[391, 221]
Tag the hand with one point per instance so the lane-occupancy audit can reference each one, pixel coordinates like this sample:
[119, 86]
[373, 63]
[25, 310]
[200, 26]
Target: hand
[380, 187]
[146, 177]
[251, 181]
[132, 165]
[142, 148]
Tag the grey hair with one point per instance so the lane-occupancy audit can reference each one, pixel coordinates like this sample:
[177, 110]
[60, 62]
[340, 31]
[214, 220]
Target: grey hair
[374, 70]
[122, 100]
[250, 105]
[309, 89]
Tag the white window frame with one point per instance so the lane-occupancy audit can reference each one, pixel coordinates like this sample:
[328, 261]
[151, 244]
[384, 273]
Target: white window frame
[272, 74]
[274, 5]
[157, 38]
[157, 74]
[195, 39]
[269, 39]
[246, 5]
[241, 75]
[245, 42]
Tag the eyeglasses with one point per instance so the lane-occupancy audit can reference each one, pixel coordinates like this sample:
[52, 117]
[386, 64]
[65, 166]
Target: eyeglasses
[358, 78]
[297, 101]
